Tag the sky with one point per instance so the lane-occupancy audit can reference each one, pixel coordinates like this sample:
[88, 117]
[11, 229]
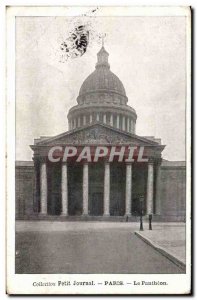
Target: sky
[146, 53]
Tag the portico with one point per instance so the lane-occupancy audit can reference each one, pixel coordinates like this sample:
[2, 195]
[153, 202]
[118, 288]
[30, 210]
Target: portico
[104, 190]
[97, 188]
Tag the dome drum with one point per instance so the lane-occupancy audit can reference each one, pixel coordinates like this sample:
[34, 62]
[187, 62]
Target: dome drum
[119, 119]
[113, 108]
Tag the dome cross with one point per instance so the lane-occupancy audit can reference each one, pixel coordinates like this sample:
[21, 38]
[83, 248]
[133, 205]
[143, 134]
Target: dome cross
[103, 36]
[102, 55]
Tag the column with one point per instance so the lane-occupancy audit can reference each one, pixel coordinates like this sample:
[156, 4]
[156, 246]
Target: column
[85, 189]
[128, 198]
[123, 123]
[157, 196]
[107, 189]
[84, 120]
[79, 122]
[132, 126]
[118, 121]
[36, 199]
[104, 119]
[149, 194]
[75, 123]
[111, 120]
[64, 187]
[90, 119]
[128, 124]
[43, 188]
[97, 117]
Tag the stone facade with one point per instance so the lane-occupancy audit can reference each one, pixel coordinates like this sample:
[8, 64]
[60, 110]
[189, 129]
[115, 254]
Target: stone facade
[24, 182]
[172, 191]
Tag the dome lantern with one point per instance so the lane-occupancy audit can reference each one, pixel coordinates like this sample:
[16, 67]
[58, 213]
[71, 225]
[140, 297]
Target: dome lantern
[102, 58]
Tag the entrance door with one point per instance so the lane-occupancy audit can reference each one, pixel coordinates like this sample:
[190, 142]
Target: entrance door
[96, 188]
[54, 188]
[117, 189]
[97, 204]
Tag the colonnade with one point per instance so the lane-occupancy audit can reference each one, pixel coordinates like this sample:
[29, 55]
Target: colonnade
[85, 194]
[118, 121]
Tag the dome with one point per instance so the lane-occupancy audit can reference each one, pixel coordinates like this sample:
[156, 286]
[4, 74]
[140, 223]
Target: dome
[102, 79]
[102, 99]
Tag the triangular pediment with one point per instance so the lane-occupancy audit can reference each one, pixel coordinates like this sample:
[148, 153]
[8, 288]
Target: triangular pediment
[97, 134]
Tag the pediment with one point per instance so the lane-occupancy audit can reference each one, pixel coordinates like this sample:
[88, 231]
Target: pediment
[97, 134]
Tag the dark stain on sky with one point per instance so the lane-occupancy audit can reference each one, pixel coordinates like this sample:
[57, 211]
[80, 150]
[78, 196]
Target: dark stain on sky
[77, 42]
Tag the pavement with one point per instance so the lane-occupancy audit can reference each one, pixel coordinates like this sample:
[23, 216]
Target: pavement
[169, 240]
[96, 248]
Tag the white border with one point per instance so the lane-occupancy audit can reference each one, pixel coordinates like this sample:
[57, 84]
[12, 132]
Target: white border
[22, 284]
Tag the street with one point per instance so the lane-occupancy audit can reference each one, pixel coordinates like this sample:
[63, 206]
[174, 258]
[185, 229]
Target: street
[96, 249]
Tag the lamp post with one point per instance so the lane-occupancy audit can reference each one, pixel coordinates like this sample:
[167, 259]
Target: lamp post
[141, 212]
[150, 222]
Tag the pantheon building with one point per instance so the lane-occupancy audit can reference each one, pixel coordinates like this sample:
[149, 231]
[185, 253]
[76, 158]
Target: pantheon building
[100, 189]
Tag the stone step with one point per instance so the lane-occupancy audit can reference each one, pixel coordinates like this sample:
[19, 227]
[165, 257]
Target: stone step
[155, 218]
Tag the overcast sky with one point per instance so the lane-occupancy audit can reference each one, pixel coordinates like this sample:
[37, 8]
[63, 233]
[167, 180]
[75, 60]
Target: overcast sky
[146, 53]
